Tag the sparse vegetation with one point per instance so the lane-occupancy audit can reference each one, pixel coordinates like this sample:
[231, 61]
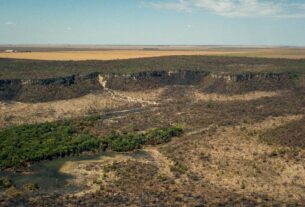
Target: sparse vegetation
[179, 168]
[14, 69]
[294, 75]
[239, 148]
[290, 135]
[31, 187]
[6, 182]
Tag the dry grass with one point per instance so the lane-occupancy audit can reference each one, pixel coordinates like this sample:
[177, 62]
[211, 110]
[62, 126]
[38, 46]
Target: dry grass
[150, 97]
[276, 53]
[88, 174]
[234, 159]
[199, 96]
[129, 53]
[20, 113]
[105, 55]
[220, 158]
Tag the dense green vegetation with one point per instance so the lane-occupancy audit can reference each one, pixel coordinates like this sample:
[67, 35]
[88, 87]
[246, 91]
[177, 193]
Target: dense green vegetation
[127, 142]
[43, 141]
[36, 142]
[29, 69]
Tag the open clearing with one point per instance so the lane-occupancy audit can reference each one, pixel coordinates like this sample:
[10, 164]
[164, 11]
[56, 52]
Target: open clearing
[130, 54]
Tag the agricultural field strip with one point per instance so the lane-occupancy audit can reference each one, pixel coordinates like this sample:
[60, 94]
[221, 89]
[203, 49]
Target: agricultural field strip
[131, 54]
[106, 55]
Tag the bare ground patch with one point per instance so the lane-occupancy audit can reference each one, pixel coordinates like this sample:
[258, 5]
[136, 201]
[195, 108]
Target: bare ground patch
[147, 97]
[21, 113]
[199, 96]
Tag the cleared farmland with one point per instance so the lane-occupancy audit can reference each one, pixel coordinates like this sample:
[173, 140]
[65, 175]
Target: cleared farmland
[109, 54]
[104, 55]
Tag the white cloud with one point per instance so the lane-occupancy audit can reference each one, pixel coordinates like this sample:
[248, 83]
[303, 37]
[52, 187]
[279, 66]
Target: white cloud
[188, 26]
[181, 5]
[238, 8]
[9, 23]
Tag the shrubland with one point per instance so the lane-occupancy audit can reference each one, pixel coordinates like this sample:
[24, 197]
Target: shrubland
[35, 142]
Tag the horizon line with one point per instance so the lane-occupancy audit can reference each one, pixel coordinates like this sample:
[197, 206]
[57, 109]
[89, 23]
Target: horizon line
[152, 45]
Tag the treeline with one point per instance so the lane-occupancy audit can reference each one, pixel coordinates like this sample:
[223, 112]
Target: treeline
[35, 142]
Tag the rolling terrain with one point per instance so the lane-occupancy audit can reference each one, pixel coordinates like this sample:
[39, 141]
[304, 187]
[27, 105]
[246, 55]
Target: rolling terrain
[154, 131]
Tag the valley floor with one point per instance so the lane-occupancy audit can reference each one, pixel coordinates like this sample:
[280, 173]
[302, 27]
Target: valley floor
[236, 150]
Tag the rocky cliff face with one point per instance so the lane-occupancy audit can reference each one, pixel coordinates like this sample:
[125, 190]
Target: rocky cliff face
[40, 90]
[250, 76]
[146, 80]
[246, 82]
[9, 89]
[75, 85]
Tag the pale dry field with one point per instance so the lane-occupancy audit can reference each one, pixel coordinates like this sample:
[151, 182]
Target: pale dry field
[104, 55]
[18, 113]
[244, 97]
[134, 53]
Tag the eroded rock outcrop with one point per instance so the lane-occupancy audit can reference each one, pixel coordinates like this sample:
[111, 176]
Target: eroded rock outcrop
[246, 82]
[39, 90]
[153, 79]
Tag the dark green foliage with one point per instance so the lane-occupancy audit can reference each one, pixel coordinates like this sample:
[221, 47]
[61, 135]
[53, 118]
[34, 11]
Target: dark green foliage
[6, 182]
[44, 141]
[124, 143]
[127, 142]
[163, 135]
[294, 75]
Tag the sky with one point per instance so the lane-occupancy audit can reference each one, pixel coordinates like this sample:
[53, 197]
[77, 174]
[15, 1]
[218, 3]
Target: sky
[153, 22]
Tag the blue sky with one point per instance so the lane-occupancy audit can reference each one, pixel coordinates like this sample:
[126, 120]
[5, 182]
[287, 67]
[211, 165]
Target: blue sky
[156, 22]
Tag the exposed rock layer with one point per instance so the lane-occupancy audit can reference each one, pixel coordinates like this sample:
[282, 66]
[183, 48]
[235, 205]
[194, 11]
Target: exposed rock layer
[39, 90]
